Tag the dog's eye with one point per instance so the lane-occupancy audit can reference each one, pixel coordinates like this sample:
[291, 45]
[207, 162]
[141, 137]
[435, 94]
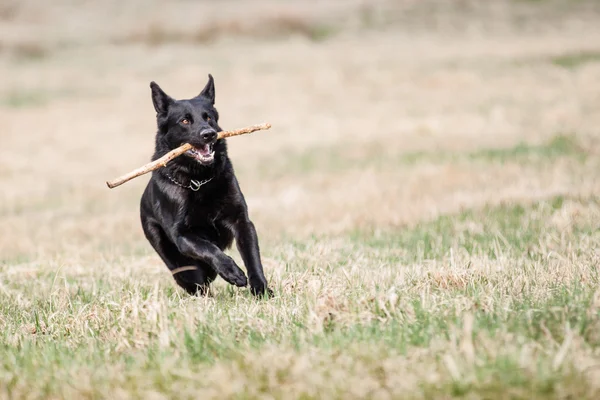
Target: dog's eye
[206, 117]
[185, 121]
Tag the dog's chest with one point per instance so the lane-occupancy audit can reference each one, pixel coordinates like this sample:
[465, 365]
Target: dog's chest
[211, 222]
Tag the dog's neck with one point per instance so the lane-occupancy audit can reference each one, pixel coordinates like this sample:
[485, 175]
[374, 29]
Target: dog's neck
[192, 184]
[184, 170]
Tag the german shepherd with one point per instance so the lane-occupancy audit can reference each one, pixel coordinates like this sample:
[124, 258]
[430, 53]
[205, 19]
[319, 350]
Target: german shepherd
[193, 208]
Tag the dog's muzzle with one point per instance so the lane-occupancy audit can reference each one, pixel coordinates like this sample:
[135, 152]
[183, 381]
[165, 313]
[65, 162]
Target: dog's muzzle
[205, 153]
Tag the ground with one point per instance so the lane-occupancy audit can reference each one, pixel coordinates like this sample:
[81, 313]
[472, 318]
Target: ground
[427, 201]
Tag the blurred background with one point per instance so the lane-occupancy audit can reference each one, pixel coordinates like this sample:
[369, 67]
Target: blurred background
[384, 113]
[427, 201]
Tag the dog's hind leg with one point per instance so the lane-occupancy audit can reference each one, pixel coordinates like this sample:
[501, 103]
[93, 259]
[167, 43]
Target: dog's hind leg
[189, 273]
[195, 280]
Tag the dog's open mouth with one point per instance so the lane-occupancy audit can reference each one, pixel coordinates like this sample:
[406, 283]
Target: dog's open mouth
[204, 154]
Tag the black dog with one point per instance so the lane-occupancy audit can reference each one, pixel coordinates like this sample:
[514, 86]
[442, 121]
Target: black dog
[193, 208]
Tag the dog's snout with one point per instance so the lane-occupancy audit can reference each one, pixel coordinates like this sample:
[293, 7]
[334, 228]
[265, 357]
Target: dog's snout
[208, 135]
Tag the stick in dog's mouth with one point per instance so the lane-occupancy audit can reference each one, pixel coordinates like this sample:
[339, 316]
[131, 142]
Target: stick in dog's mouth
[204, 154]
[162, 161]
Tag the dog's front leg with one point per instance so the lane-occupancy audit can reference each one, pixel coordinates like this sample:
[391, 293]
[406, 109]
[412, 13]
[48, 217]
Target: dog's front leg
[246, 240]
[195, 247]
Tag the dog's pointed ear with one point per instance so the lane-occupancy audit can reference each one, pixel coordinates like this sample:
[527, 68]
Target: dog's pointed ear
[209, 90]
[160, 99]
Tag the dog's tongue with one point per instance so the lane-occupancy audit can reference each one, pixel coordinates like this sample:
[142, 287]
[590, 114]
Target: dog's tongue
[204, 150]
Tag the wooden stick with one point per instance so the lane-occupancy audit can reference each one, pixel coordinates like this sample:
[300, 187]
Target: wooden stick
[162, 162]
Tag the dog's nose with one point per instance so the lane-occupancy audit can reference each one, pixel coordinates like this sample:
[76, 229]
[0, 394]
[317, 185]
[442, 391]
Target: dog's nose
[208, 135]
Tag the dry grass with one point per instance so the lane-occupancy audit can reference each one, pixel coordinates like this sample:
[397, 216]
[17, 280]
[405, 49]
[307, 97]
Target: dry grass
[427, 203]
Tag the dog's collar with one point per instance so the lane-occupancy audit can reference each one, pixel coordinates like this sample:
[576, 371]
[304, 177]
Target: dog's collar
[194, 184]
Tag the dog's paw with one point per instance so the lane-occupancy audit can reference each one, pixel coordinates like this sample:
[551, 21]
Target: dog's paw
[236, 278]
[260, 289]
[233, 274]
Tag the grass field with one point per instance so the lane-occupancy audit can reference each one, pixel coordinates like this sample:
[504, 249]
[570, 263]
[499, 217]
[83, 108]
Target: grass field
[427, 201]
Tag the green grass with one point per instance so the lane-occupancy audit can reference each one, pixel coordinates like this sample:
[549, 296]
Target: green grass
[469, 322]
[24, 98]
[507, 230]
[20, 99]
[574, 60]
[337, 159]
[48, 361]
[557, 146]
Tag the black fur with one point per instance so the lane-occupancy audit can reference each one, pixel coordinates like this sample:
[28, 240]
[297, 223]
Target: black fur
[193, 228]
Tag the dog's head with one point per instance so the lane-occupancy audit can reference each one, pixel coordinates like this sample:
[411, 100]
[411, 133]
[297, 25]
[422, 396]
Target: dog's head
[193, 121]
